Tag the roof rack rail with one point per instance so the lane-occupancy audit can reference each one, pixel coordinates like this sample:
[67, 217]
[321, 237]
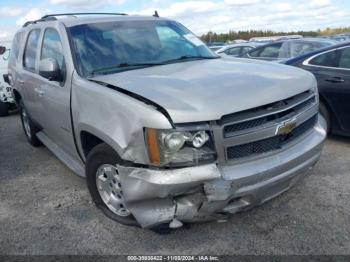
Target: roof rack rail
[73, 14]
[52, 17]
[39, 20]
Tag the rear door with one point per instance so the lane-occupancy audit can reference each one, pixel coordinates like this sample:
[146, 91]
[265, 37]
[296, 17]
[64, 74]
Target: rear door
[55, 98]
[26, 79]
[332, 70]
[341, 83]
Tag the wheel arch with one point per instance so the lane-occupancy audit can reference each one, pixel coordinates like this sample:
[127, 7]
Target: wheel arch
[324, 101]
[88, 141]
[17, 96]
[89, 137]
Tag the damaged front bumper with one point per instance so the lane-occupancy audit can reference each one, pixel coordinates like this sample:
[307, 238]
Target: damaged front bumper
[212, 192]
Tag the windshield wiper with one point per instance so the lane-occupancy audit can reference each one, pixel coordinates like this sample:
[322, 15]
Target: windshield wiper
[130, 65]
[122, 65]
[188, 57]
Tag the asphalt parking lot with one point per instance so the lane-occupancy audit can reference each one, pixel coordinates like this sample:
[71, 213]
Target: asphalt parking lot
[45, 209]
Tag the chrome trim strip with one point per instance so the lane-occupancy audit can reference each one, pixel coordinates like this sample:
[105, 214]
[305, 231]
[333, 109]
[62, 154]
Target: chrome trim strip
[259, 114]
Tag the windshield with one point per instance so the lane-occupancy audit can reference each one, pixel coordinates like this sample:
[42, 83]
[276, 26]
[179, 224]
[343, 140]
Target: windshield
[110, 47]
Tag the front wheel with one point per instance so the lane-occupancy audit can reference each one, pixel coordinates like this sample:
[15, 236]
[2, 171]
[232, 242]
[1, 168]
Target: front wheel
[104, 184]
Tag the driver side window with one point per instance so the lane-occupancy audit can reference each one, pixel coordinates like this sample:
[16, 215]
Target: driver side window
[52, 48]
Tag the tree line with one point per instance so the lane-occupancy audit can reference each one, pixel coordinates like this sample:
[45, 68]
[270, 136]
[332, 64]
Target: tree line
[247, 34]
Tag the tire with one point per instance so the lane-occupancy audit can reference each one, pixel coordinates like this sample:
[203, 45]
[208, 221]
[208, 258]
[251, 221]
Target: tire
[104, 184]
[4, 109]
[29, 128]
[325, 113]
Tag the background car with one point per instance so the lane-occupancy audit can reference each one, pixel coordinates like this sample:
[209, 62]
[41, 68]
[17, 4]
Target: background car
[6, 100]
[237, 50]
[268, 39]
[331, 66]
[280, 50]
[214, 46]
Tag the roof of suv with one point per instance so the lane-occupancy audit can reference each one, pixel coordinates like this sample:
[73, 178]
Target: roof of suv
[87, 18]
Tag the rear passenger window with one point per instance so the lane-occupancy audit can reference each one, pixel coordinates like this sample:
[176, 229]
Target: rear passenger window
[31, 50]
[344, 61]
[329, 59]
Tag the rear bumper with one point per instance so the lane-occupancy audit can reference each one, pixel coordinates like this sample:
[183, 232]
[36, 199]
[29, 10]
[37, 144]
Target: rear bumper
[212, 192]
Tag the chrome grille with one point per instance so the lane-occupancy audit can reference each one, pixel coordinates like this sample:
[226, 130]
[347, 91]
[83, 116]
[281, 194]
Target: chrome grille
[256, 131]
[269, 144]
[279, 110]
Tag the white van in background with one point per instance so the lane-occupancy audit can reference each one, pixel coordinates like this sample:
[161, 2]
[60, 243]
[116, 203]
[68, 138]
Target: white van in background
[6, 100]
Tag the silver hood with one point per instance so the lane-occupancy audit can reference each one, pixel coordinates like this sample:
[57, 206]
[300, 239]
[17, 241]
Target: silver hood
[206, 90]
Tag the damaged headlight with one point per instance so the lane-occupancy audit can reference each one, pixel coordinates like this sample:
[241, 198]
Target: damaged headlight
[179, 148]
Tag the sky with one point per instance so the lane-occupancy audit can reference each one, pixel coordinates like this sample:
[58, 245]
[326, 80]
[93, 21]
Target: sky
[200, 16]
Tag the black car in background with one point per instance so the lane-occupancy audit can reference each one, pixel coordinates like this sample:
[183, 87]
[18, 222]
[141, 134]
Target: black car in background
[331, 66]
[283, 50]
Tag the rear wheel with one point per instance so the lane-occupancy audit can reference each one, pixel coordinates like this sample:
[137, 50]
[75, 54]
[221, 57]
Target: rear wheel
[325, 113]
[104, 184]
[29, 127]
[4, 109]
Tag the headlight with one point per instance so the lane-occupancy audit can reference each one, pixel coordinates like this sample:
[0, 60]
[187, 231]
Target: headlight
[173, 142]
[179, 148]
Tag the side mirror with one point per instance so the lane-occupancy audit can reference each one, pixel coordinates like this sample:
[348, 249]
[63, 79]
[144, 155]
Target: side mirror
[49, 69]
[2, 50]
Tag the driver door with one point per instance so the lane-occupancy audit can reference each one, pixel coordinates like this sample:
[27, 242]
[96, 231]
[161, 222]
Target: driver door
[55, 96]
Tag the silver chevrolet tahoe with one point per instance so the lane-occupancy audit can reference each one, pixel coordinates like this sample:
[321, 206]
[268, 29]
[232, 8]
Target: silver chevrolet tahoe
[164, 130]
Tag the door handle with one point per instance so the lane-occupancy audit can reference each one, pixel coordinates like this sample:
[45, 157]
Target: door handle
[335, 79]
[39, 91]
[20, 82]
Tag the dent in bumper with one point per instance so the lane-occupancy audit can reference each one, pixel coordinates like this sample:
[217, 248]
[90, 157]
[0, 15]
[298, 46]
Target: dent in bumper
[210, 192]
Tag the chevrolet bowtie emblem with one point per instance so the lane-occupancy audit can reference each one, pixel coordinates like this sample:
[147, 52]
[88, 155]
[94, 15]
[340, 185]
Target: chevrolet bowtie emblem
[286, 127]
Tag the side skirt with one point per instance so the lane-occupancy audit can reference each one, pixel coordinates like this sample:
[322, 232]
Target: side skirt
[72, 164]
